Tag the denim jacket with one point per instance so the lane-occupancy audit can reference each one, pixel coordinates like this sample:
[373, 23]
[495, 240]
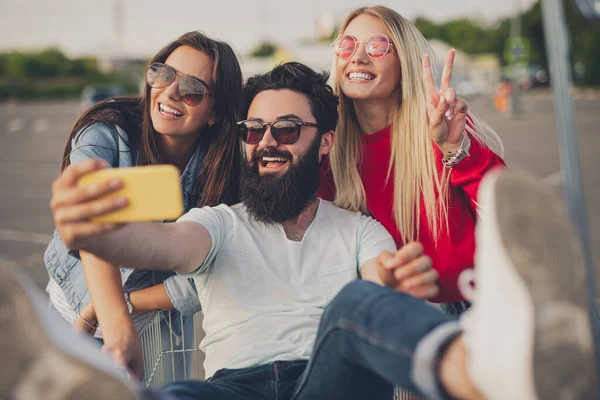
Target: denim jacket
[110, 142]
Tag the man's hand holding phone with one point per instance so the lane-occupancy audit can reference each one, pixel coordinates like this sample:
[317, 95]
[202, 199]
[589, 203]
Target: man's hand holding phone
[89, 199]
[74, 206]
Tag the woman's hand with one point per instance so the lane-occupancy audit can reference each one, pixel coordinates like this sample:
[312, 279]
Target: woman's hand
[446, 114]
[72, 206]
[86, 322]
[408, 270]
[122, 344]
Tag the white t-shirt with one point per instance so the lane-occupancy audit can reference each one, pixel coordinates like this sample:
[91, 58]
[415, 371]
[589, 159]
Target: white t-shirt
[262, 294]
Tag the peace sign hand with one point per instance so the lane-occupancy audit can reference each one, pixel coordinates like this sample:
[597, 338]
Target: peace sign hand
[446, 114]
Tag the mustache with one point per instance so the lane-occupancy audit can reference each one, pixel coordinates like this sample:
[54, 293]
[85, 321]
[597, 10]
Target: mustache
[269, 152]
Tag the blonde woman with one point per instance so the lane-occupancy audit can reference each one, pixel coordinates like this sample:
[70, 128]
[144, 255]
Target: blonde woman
[406, 152]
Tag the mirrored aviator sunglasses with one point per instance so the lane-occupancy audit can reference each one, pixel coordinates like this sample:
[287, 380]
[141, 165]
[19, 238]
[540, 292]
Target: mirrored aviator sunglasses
[191, 90]
[283, 131]
[376, 46]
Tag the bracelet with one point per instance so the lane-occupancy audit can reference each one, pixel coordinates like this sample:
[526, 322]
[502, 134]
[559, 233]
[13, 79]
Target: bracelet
[128, 302]
[88, 323]
[451, 160]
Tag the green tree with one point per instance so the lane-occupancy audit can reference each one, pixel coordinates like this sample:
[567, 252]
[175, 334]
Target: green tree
[19, 65]
[263, 50]
[3, 64]
[429, 29]
[468, 36]
[473, 38]
[585, 46]
[84, 67]
[51, 63]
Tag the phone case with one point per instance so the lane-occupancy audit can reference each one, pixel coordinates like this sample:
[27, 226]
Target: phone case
[153, 193]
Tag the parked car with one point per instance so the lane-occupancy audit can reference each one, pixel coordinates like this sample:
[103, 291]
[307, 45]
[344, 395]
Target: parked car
[95, 94]
[528, 77]
[467, 88]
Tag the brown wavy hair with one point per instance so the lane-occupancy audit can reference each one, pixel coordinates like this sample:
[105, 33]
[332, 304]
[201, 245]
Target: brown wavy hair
[219, 171]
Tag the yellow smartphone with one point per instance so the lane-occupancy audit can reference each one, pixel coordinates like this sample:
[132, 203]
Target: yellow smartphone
[153, 193]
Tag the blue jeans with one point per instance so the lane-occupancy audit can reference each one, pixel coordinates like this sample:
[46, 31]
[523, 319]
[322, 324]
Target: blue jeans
[370, 339]
[274, 381]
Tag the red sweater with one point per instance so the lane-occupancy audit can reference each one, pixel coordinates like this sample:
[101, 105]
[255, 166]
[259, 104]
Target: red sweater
[454, 251]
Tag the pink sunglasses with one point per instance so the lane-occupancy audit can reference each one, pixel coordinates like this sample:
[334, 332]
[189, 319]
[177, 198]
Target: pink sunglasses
[376, 46]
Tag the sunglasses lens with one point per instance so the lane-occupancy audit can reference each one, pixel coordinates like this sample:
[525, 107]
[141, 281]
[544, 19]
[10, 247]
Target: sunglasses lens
[285, 132]
[251, 131]
[377, 46]
[192, 90]
[159, 75]
[344, 46]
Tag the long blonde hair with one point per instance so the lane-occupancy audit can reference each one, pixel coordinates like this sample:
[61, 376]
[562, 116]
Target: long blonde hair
[416, 177]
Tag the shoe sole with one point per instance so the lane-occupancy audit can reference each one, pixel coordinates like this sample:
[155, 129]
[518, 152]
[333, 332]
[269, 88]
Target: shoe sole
[36, 366]
[545, 250]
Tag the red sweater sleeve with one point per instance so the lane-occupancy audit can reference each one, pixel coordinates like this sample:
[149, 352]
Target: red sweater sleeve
[467, 174]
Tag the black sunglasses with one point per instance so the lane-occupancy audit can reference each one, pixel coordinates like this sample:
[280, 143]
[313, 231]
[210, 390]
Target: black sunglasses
[284, 131]
[192, 90]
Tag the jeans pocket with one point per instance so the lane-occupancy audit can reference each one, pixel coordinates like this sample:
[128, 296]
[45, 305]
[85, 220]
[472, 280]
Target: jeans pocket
[334, 278]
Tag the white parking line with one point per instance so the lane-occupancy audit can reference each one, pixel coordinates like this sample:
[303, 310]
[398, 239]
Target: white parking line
[40, 125]
[16, 125]
[553, 180]
[25, 237]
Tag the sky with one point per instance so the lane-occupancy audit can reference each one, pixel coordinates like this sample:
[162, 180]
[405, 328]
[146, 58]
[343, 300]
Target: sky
[89, 27]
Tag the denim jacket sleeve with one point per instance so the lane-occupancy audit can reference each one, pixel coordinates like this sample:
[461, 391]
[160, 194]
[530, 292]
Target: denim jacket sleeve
[183, 294]
[98, 140]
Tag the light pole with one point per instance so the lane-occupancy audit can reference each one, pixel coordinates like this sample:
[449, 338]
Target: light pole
[557, 39]
[263, 20]
[515, 32]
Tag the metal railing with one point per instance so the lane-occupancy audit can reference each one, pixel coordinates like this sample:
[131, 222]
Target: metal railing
[170, 343]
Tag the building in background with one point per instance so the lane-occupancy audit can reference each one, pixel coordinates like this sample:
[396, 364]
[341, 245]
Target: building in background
[472, 75]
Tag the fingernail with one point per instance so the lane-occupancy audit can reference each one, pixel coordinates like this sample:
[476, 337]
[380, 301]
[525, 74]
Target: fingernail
[442, 100]
[120, 201]
[114, 183]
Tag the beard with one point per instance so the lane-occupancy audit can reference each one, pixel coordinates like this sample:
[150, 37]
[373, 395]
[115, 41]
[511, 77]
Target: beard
[273, 199]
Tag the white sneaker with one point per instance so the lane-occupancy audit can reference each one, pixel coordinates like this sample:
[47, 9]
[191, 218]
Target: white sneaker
[41, 357]
[528, 332]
